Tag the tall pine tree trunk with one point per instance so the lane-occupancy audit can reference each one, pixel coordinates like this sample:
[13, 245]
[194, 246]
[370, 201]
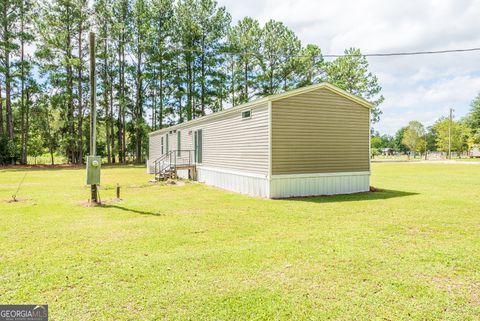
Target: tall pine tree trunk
[138, 110]
[27, 122]
[120, 105]
[160, 106]
[105, 99]
[8, 100]
[112, 129]
[245, 75]
[50, 139]
[70, 124]
[202, 93]
[80, 96]
[232, 88]
[271, 81]
[189, 86]
[124, 126]
[1, 110]
[154, 104]
[153, 92]
[22, 79]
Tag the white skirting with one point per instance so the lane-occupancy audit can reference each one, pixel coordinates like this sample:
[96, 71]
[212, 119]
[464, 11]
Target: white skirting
[292, 185]
[240, 182]
[150, 169]
[183, 173]
[281, 186]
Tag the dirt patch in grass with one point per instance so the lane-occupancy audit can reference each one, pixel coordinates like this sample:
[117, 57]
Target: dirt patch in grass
[454, 285]
[88, 204]
[102, 202]
[170, 182]
[111, 201]
[175, 182]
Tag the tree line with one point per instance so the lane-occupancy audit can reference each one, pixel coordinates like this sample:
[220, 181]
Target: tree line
[159, 62]
[444, 135]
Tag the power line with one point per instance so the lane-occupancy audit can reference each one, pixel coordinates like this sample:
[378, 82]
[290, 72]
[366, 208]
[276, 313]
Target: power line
[412, 53]
[387, 54]
[381, 54]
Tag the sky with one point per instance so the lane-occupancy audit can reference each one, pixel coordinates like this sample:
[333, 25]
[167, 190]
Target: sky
[415, 87]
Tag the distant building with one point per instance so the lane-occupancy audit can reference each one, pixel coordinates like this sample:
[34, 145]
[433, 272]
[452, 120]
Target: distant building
[474, 152]
[388, 151]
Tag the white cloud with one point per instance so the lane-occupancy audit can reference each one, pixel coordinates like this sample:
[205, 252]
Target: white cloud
[415, 87]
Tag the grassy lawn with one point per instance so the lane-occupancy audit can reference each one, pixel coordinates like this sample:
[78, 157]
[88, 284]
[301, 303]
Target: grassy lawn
[467, 159]
[410, 252]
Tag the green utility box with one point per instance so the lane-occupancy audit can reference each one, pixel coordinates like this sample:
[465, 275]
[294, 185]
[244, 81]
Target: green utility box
[93, 170]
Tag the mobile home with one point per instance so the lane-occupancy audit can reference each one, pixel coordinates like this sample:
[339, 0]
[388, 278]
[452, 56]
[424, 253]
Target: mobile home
[474, 152]
[309, 141]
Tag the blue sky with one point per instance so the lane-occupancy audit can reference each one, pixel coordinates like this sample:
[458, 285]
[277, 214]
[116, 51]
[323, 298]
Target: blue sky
[415, 87]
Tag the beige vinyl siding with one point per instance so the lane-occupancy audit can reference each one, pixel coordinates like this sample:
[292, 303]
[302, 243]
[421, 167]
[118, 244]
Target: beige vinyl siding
[229, 142]
[154, 147]
[155, 144]
[319, 132]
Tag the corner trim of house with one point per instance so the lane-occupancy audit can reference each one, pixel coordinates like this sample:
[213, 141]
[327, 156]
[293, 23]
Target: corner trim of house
[370, 140]
[269, 176]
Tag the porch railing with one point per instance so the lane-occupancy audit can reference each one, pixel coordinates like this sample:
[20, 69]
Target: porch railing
[174, 159]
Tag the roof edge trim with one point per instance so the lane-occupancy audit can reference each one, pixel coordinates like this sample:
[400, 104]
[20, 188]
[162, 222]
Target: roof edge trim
[276, 97]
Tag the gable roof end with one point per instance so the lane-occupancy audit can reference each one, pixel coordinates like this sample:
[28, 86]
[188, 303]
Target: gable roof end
[323, 85]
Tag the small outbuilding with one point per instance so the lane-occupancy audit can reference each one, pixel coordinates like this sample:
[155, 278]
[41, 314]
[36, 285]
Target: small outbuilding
[309, 141]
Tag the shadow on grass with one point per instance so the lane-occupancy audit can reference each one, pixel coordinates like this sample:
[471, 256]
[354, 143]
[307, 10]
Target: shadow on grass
[367, 196]
[126, 209]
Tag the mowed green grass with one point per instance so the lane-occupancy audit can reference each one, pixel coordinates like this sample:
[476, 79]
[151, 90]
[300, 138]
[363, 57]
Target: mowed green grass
[410, 252]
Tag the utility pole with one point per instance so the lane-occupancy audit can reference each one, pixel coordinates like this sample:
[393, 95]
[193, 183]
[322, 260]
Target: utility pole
[93, 120]
[93, 111]
[450, 133]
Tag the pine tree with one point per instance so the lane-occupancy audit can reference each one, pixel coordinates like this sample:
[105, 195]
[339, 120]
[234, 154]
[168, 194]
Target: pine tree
[161, 58]
[309, 66]
[120, 32]
[350, 73]
[244, 40]
[82, 12]
[103, 22]
[138, 49]
[188, 35]
[170, 60]
[213, 22]
[9, 16]
[279, 48]
[25, 66]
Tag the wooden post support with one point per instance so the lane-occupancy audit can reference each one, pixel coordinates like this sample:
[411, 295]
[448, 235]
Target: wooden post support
[94, 193]
[118, 191]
